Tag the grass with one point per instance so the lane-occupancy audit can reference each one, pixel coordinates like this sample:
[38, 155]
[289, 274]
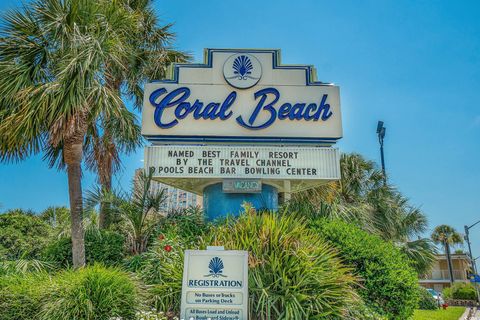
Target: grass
[452, 313]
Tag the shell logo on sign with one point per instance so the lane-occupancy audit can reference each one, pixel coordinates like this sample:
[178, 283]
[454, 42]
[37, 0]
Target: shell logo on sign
[242, 70]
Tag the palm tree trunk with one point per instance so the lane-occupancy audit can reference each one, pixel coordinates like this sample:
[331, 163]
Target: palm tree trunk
[449, 262]
[73, 157]
[106, 182]
[105, 166]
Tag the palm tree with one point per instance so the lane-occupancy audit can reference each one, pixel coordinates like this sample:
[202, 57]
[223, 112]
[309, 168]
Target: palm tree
[345, 199]
[138, 211]
[104, 144]
[53, 57]
[151, 55]
[446, 236]
[397, 221]
[361, 197]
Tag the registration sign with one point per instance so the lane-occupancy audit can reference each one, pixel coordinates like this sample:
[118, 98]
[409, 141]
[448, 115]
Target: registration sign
[215, 285]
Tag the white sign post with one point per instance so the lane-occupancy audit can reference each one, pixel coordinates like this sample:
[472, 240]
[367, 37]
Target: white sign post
[215, 285]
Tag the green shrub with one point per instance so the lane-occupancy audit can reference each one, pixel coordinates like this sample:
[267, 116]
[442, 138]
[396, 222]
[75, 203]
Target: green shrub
[358, 310]
[460, 291]
[22, 234]
[95, 293]
[293, 273]
[24, 266]
[166, 293]
[447, 293]
[21, 295]
[59, 252]
[161, 267]
[464, 291]
[389, 284]
[102, 246]
[188, 224]
[105, 246]
[134, 263]
[426, 300]
[295, 255]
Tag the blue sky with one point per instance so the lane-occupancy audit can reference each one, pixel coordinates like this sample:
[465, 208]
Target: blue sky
[413, 64]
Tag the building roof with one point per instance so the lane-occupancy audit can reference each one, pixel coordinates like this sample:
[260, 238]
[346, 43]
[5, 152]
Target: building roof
[454, 256]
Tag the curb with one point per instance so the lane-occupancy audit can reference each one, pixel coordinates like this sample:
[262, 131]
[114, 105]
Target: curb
[466, 314]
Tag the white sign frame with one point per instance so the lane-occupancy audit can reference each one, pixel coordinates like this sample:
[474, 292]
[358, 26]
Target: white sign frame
[296, 84]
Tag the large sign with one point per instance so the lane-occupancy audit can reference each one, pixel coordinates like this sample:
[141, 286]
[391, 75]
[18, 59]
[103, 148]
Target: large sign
[242, 96]
[215, 285]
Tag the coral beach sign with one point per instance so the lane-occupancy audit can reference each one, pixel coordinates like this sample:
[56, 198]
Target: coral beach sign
[242, 115]
[242, 96]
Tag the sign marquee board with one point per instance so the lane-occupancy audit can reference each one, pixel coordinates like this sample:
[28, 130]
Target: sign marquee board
[186, 166]
[242, 96]
[215, 285]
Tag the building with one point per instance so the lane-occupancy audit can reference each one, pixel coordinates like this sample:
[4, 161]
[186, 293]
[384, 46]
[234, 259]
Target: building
[175, 198]
[439, 278]
[178, 198]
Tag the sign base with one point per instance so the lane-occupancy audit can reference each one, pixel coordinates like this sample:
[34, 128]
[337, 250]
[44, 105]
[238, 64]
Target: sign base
[217, 204]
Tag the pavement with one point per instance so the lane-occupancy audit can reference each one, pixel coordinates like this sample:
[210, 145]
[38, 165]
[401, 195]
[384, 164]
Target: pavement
[476, 316]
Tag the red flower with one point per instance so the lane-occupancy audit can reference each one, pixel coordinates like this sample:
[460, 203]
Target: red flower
[168, 248]
[161, 237]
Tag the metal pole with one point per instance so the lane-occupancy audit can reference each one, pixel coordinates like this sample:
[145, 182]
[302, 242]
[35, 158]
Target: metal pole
[467, 235]
[383, 160]
[467, 238]
[381, 135]
[474, 262]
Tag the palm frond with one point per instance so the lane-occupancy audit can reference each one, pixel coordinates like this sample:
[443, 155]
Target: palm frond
[421, 253]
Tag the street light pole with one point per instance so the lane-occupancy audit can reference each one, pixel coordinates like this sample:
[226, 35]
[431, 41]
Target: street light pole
[467, 238]
[473, 261]
[381, 135]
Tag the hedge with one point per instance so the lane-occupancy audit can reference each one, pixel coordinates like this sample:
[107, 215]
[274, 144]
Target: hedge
[389, 284]
[102, 246]
[94, 292]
